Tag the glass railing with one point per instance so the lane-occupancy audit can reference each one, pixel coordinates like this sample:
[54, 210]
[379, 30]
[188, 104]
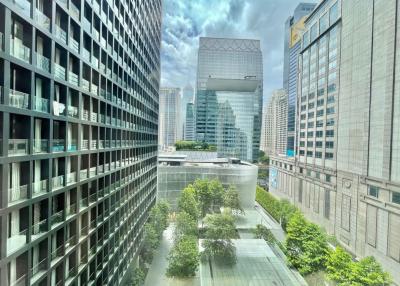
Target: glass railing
[59, 252]
[57, 217]
[101, 144]
[40, 227]
[73, 78]
[96, 6]
[72, 111]
[59, 71]
[72, 144]
[42, 19]
[93, 117]
[70, 210]
[40, 104]
[58, 182]
[83, 174]
[74, 45]
[18, 147]
[85, 114]
[39, 187]
[70, 241]
[86, 54]
[95, 61]
[71, 178]
[84, 202]
[85, 85]
[61, 34]
[96, 34]
[92, 171]
[85, 144]
[17, 193]
[21, 281]
[25, 6]
[40, 145]
[74, 9]
[86, 24]
[19, 99]
[42, 62]
[58, 145]
[58, 108]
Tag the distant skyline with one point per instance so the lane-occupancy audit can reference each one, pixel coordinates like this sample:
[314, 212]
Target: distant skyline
[185, 21]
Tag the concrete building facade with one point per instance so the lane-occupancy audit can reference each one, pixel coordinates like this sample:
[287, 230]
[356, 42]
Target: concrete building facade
[228, 101]
[355, 192]
[79, 85]
[274, 125]
[169, 128]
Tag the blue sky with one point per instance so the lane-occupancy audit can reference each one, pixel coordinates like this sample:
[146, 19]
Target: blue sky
[184, 21]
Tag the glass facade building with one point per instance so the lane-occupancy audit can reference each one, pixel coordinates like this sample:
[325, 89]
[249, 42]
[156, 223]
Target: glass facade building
[169, 129]
[229, 96]
[79, 85]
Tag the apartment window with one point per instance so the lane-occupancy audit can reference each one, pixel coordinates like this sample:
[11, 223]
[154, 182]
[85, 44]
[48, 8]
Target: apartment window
[333, 13]
[329, 156]
[396, 197]
[330, 133]
[310, 124]
[301, 152]
[310, 143]
[311, 105]
[306, 39]
[309, 153]
[323, 23]
[311, 95]
[301, 170]
[319, 134]
[328, 178]
[327, 200]
[302, 143]
[317, 175]
[320, 102]
[320, 123]
[310, 133]
[303, 98]
[321, 92]
[332, 88]
[373, 191]
[313, 32]
[309, 173]
[320, 113]
[330, 110]
[303, 107]
[303, 116]
[302, 125]
[318, 155]
[318, 144]
[302, 134]
[329, 144]
[311, 115]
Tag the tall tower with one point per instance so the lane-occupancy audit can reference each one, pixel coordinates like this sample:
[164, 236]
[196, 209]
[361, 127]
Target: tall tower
[79, 85]
[169, 117]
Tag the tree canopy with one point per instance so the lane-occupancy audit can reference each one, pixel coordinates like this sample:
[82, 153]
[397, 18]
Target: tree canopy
[187, 202]
[209, 194]
[231, 200]
[185, 225]
[183, 258]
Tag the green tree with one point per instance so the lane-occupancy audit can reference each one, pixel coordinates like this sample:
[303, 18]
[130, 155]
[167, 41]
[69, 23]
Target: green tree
[185, 225]
[305, 244]
[231, 200]
[183, 258]
[220, 229]
[187, 202]
[369, 272]
[261, 232]
[338, 264]
[209, 194]
[217, 193]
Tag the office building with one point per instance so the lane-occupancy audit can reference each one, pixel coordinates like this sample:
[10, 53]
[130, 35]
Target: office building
[274, 125]
[228, 101]
[189, 125]
[294, 26]
[177, 170]
[79, 87]
[187, 98]
[346, 175]
[169, 117]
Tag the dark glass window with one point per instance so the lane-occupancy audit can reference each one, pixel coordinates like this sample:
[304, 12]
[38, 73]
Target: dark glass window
[373, 191]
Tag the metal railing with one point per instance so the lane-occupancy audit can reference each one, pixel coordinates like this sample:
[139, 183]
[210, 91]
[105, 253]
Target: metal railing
[70, 210]
[85, 114]
[58, 145]
[57, 217]
[58, 252]
[58, 108]
[18, 147]
[19, 99]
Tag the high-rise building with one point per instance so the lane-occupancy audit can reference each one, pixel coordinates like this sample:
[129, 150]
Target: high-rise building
[187, 97]
[79, 85]
[294, 26]
[346, 173]
[274, 125]
[169, 117]
[228, 101]
[189, 125]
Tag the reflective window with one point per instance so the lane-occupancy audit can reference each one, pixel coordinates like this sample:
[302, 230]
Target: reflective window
[333, 13]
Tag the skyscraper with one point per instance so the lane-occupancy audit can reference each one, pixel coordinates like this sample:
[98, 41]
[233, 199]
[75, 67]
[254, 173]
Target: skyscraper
[294, 26]
[189, 125]
[274, 125]
[346, 173]
[169, 117]
[187, 97]
[228, 101]
[79, 87]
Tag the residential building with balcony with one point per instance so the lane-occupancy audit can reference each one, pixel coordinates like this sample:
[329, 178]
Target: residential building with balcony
[346, 173]
[78, 137]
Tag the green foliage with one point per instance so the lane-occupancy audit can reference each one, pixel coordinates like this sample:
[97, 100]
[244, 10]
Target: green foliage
[135, 276]
[187, 202]
[194, 146]
[183, 258]
[231, 200]
[261, 232]
[185, 225]
[209, 194]
[280, 210]
[306, 245]
[220, 229]
[263, 158]
[344, 271]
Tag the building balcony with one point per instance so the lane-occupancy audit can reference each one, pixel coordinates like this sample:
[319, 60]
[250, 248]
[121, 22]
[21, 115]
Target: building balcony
[24, 5]
[85, 114]
[58, 108]
[40, 187]
[58, 182]
[96, 34]
[18, 147]
[19, 99]
[16, 241]
[61, 34]
[72, 145]
[59, 71]
[40, 145]
[21, 281]
[57, 218]
[101, 144]
[57, 253]
[86, 54]
[92, 198]
[39, 228]
[85, 144]
[74, 9]
[93, 117]
[42, 19]
[72, 111]
[16, 194]
[95, 89]
[92, 171]
[74, 45]
[73, 78]
[40, 104]
[86, 25]
[58, 145]
[42, 62]
[85, 85]
[70, 210]
[93, 144]
[71, 178]
[83, 174]
[70, 242]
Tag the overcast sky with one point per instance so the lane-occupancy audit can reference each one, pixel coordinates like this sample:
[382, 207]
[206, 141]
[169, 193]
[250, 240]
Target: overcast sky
[184, 21]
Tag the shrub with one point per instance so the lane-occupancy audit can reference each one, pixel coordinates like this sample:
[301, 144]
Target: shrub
[183, 258]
